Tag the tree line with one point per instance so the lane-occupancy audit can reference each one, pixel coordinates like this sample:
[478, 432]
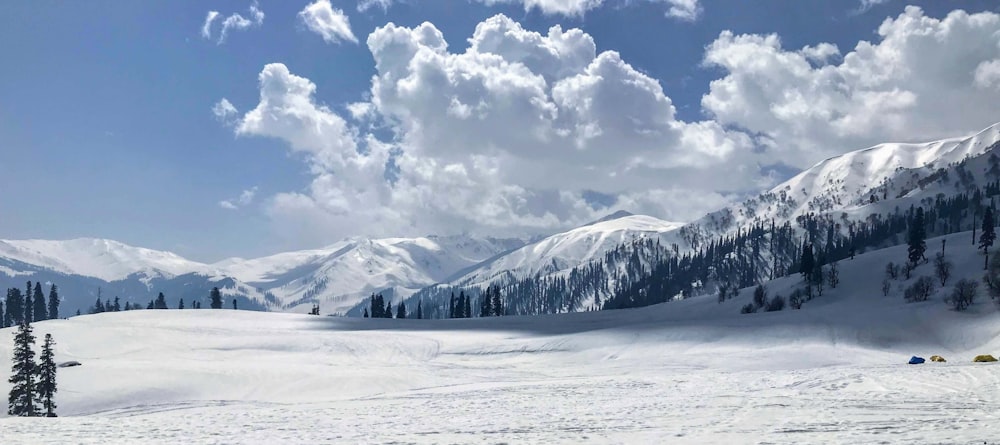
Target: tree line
[29, 306]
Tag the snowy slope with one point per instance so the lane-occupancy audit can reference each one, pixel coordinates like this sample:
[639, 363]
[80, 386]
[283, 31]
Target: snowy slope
[693, 371]
[843, 183]
[100, 258]
[563, 251]
[342, 275]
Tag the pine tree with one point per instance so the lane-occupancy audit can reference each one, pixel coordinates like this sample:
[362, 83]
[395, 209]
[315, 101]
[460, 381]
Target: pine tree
[486, 303]
[20, 401]
[451, 306]
[420, 310]
[234, 304]
[117, 306]
[387, 313]
[366, 312]
[150, 305]
[3, 318]
[41, 311]
[29, 307]
[10, 317]
[916, 236]
[216, 298]
[498, 308]
[988, 235]
[401, 310]
[467, 309]
[53, 302]
[181, 304]
[161, 302]
[47, 377]
[806, 262]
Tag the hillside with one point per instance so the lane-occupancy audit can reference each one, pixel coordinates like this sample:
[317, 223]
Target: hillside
[832, 372]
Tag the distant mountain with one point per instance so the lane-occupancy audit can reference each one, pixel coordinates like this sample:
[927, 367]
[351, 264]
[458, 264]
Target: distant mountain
[563, 251]
[337, 277]
[341, 275]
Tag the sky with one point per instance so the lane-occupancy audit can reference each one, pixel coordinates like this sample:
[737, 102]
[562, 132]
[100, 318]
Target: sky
[235, 128]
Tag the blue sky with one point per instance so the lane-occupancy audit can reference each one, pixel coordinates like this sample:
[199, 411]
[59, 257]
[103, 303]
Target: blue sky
[107, 129]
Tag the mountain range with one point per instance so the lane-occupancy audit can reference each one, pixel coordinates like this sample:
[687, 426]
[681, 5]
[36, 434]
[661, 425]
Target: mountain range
[845, 188]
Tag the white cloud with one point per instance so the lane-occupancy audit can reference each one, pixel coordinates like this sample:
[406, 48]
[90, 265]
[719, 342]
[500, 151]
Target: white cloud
[206, 29]
[513, 134]
[246, 198]
[687, 10]
[923, 79]
[508, 136]
[365, 5]
[224, 111]
[233, 22]
[330, 23]
[868, 4]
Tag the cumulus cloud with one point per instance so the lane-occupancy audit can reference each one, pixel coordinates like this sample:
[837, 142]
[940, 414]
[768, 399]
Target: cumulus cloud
[234, 22]
[511, 135]
[330, 23]
[531, 132]
[246, 198]
[923, 78]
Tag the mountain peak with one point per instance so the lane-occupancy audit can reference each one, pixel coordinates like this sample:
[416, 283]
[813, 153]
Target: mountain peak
[617, 215]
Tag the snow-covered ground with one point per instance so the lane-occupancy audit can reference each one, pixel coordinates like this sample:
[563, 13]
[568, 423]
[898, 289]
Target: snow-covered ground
[692, 371]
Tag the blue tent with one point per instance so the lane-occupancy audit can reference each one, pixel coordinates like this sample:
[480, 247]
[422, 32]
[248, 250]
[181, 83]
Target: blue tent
[916, 360]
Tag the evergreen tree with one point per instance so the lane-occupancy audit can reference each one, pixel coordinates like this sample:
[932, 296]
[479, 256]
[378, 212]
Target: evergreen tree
[47, 377]
[181, 304]
[498, 308]
[401, 310]
[486, 303]
[420, 310]
[77, 312]
[161, 302]
[53, 302]
[41, 311]
[150, 305]
[117, 306]
[451, 306]
[98, 306]
[916, 238]
[3, 318]
[806, 261]
[467, 309]
[15, 308]
[10, 318]
[216, 298]
[366, 312]
[21, 400]
[234, 304]
[988, 236]
[29, 305]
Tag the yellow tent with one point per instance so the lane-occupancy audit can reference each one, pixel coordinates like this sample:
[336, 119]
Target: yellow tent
[938, 358]
[985, 358]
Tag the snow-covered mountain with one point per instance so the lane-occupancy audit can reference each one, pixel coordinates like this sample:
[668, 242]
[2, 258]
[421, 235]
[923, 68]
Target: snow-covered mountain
[99, 258]
[341, 275]
[337, 277]
[847, 185]
[564, 251]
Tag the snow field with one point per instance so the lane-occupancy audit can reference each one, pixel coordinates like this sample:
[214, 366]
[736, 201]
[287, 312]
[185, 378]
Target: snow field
[692, 371]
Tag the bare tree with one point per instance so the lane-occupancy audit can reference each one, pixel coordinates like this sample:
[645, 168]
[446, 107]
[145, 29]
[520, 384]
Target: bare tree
[963, 294]
[886, 287]
[942, 268]
[833, 275]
